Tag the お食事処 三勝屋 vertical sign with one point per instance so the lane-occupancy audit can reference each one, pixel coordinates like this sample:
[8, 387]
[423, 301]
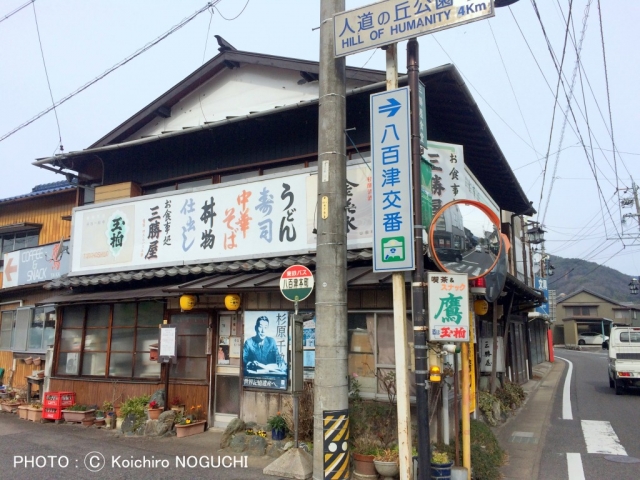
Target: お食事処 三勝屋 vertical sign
[392, 188]
[448, 306]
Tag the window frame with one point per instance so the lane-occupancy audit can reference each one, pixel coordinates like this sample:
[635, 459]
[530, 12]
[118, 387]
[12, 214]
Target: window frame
[84, 329]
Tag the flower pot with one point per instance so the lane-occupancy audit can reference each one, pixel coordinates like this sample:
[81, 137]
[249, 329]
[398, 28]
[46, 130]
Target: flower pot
[76, 416]
[277, 434]
[9, 407]
[117, 411]
[363, 464]
[191, 429]
[388, 470]
[154, 413]
[28, 360]
[23, 412]
[37, 361]
[441, 470]
[99, 422]
[88, 421]
[34, 414]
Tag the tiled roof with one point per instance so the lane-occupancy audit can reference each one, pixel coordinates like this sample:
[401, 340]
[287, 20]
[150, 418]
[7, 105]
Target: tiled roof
[255, 265]
[42, 189]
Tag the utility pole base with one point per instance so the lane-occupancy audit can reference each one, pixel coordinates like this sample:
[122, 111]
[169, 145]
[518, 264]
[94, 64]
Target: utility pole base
[294, 463]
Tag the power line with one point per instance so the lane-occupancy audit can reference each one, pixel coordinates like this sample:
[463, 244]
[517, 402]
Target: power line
[231, 19]
[115, 67]
[11, 14]
[46, 73]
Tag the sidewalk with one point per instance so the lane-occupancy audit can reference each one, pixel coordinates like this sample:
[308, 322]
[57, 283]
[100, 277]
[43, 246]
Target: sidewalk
[522, 435]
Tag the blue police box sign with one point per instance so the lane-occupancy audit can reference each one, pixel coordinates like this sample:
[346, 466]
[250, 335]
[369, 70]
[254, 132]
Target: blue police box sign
[393, 248]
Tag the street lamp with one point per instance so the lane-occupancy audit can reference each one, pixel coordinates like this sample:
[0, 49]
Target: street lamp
[536, 234]
[633, 285]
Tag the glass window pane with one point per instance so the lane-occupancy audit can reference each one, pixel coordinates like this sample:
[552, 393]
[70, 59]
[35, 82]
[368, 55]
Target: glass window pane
[120, 364]
[190, 368]
[194, 183]
[95, 340]
[150, 313]
[192, 346]
[122, 340]
[6, 329]
[70, 339]
[94, 363]
[49, 327]
[228, 394]
[98, 315]
[190, 323]
[73, 317]
[145, 337]
[32, 240]
[20, 242]
[36, 329]
[386, 348]
[124, 314]
[145, 368]
[68, 363]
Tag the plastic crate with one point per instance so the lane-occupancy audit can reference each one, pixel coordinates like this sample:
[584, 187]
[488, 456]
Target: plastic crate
[59, 399]
[51, 413]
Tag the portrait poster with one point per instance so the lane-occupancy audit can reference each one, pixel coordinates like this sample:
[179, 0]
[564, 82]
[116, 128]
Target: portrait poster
[265, 349]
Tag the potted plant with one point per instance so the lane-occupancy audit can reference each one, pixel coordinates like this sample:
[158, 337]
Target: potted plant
[278, 426]
[365, 448]
[23, 412]
[154, 410]
[34, 412]
[440, 465]
[386, 462]
[88, 420]
[191, 423]
[177, 405]
[77, 413]
[100, 420]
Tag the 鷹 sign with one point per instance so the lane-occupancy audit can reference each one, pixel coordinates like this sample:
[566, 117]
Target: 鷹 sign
[391, 21]
[448, 306]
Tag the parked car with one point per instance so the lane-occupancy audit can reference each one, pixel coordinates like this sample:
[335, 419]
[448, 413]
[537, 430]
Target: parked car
[591, 338]
[449, 254]
[478, 248]
[624, 358]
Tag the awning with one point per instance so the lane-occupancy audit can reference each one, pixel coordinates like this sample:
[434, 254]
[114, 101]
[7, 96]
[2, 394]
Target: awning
[259, 281]
[127, 295]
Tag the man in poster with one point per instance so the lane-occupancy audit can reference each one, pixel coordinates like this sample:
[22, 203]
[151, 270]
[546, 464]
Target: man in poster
[264, 356]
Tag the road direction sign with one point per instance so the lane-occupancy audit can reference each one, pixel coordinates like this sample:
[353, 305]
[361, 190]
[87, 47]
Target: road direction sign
[391, 21]
[296, 283]
[392, 188]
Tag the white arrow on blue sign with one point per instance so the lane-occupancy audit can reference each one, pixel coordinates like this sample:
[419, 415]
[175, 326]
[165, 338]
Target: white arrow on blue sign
[393, 248]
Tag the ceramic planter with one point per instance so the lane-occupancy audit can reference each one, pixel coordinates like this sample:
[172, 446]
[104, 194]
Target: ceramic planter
[441, 470]
[34, 414]
[10, 407]
[363, 464]
[388, 470]
[277, 434]
[154, 413]
[99, 422]
[191, 429]
[88, 421]
[76, 416]
[23, 412]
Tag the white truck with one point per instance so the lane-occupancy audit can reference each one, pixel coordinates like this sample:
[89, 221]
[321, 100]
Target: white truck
[624, 357]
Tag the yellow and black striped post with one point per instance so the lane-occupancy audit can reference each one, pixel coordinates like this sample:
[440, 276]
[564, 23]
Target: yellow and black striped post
[336, 444]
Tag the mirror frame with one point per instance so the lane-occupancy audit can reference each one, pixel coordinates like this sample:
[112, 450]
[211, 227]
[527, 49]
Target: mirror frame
[486, 210]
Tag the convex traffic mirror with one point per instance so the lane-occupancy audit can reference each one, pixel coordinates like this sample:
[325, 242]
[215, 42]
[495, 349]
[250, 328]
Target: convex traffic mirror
[464, 237]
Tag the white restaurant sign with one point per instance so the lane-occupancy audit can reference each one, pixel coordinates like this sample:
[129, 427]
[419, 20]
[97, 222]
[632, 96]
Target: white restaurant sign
[259, 217]
[448, 306]
[392, 21]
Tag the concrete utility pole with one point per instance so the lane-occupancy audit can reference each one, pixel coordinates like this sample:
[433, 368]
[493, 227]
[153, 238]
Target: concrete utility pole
[331, 389]
[418, 311]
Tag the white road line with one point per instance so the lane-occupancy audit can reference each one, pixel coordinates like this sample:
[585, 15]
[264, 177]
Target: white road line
[600, 438]
[574, 466]
[566, 392]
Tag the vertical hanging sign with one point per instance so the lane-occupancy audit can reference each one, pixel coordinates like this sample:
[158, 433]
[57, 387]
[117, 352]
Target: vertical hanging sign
[392, 181]
[448, 306]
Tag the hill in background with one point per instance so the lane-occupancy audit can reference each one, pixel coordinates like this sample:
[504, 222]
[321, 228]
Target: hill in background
[572, 274]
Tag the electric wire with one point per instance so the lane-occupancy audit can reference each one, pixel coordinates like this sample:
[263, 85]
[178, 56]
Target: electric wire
[46, 74]
[231, 19]
[112, 69]
[11, 14]
[204, 55]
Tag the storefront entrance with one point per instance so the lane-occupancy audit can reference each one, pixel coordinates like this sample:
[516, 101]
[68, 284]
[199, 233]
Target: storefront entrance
[226, 382]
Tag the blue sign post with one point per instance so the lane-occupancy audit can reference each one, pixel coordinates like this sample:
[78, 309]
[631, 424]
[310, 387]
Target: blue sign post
[541, 284]
[393, 246]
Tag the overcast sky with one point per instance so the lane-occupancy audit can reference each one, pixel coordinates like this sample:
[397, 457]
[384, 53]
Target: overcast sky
[505, 61]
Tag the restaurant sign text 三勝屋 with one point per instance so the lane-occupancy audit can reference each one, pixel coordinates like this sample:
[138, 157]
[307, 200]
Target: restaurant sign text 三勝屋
[273, 214]
[448, 306]
[391, 21]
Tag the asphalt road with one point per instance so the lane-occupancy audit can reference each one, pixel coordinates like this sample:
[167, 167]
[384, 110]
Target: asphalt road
[604, 427]
[33, 451]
